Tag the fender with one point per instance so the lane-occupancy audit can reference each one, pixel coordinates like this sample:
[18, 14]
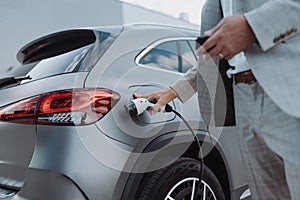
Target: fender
[170, 143]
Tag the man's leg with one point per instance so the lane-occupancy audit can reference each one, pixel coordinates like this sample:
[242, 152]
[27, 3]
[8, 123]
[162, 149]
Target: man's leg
[264, 167]
[281, 132]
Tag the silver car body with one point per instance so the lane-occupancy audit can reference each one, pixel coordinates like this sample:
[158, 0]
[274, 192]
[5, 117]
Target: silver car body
[102, 160]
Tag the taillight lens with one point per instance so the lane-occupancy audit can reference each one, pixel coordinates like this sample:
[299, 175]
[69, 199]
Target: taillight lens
[64, 107]
[20, 112]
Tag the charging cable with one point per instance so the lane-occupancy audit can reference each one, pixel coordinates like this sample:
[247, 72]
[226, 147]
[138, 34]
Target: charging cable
[169, 108]
[139, 105]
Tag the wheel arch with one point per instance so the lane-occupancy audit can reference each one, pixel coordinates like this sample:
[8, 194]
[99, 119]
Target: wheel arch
[214, 159]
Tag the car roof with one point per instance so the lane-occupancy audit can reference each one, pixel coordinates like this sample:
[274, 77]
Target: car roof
[161, 26]
[136, 26]
[85, 32]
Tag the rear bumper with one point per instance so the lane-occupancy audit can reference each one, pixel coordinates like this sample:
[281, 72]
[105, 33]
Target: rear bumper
[62, 163]
[79, 159]
[42, 184]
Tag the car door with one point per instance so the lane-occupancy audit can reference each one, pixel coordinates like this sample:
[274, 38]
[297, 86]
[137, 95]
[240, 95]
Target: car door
[144, 70]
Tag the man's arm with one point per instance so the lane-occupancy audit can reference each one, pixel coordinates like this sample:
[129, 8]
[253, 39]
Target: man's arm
[274, 21]
[268, 24]
[228, 38]
[184, 88]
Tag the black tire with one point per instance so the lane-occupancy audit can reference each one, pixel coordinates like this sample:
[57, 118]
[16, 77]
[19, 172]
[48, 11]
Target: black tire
[159, 184]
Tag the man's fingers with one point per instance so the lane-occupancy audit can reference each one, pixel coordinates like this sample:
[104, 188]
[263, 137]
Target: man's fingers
[213, 30]
[146, 96]
[200, 50]
[208, 33]
[229, 56]
[136, 95]
[154, 109]
[206, 47]
[209, 45]
[163, 97]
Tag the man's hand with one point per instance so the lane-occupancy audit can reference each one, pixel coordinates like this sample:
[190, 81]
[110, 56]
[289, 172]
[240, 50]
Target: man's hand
[231, 36]
[163, 97]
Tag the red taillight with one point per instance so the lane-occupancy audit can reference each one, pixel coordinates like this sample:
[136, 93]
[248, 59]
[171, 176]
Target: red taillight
[20, 112]
[65, 107]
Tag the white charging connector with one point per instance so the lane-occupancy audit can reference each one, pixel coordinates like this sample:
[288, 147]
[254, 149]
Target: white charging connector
[138, 106]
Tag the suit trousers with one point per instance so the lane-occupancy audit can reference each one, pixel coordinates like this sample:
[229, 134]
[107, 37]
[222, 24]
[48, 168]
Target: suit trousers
[270, 144]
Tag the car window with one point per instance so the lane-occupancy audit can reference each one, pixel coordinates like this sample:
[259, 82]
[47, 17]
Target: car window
[162, 56]
[175, 55]
[63, 63]
[63, 59]
[188, 59]
[193, 44]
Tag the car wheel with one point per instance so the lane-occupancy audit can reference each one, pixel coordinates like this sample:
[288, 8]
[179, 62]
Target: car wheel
[180, 180]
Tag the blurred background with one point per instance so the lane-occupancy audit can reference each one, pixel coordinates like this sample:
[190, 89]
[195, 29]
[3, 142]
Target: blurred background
[22, 21]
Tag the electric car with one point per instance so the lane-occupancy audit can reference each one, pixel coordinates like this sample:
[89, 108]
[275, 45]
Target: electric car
[66, 133]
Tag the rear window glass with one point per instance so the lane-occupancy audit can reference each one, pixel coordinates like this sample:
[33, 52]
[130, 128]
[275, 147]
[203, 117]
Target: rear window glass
[64, 63]
[77, 60]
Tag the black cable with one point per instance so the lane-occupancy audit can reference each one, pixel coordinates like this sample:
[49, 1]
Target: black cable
[169, 108]
[200, 153]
